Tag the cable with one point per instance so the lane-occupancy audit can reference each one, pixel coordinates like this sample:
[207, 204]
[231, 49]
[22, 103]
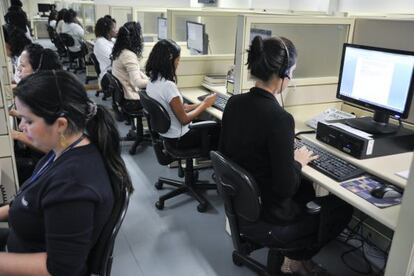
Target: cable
[304, 132]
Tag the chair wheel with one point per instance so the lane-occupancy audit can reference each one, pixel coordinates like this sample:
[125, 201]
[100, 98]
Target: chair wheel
[132, 151]
[180, 173]
[158, 185]
[104, 98]
[159, 205]
[236, 260]
[97, 94]
[202, 207]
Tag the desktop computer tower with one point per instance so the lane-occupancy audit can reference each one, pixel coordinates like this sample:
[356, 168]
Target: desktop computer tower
[365, 146]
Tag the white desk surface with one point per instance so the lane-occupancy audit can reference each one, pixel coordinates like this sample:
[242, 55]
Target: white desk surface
[384, 167]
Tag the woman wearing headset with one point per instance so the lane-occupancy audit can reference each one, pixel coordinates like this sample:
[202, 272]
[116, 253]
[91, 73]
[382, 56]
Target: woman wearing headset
[161, 67]
[258, 134]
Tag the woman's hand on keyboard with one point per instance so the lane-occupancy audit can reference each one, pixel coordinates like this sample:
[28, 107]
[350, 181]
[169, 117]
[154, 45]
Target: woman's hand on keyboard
[210, 99]
[304, 156]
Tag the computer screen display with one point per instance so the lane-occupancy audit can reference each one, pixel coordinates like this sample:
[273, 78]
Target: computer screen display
[196, 36]
[162, 28]
[259, 32]
[377, 78]
[43, 7]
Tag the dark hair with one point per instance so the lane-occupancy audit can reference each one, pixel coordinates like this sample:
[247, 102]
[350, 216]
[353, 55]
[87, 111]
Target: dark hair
[41, 58]
[17, 3]
[61, 14]
[69, 16]
[161, 63]
[16, 17]
[16, 39]
[52, 16]
[129, 37]
[275, 55]
[104, 26]
[53, 94]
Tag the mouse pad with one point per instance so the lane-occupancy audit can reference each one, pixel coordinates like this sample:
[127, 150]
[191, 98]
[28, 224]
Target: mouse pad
[362, 187]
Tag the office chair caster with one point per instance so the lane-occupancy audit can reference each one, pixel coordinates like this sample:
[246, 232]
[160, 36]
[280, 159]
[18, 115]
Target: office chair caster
[132, 151]
[158, 185]
[236, 259]
[202, 207]
[159, 205]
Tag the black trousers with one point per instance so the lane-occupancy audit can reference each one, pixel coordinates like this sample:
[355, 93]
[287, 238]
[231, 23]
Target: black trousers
[193, 139]
[304, 237]
[4, 234]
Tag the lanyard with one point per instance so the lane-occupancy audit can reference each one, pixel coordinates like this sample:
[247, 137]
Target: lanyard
[35, 176]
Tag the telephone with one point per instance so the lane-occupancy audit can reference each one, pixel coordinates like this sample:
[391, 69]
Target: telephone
[329, 115]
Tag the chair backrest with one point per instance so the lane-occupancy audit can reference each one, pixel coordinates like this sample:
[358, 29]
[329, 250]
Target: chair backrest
[62, 49]
[67, 39]
[238, 188]
[95, 63]
[117, 91]
[51, 32]
[100, 257]
[159, 119]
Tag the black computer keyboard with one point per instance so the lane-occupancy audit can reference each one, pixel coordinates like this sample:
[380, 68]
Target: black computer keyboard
[329, 164]
[220, 102]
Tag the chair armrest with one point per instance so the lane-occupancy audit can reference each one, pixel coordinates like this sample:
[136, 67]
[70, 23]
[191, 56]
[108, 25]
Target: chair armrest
[203, 125]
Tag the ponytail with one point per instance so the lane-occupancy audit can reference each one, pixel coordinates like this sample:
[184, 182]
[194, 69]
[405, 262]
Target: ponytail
[103, 133]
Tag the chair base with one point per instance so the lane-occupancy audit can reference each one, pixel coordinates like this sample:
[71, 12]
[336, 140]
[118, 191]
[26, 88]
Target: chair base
[182, 187]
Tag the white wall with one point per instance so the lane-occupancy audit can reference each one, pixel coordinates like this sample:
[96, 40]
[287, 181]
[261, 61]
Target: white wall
[231, 4]
[306, 5]
[147, 3]
[271, 5]
[376, 6]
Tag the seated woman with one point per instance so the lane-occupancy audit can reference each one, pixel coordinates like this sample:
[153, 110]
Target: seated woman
[52, 20]
[161, 67]
[105, 30]
[258, 134]
[125, 57]
[59, 20]
[34, 58]
[71, 27]
[73, 178]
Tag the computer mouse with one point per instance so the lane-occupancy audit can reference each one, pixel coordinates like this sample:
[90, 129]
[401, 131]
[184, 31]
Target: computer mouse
[385, 192]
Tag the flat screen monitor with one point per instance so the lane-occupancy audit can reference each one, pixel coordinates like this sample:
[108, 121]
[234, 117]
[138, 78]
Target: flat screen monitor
[197, 39]
[380, 79]
[162, 28]
[207, 1]
[43, 8]
[259, 32]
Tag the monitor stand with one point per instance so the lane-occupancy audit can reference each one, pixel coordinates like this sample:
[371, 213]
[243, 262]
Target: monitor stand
[377, 125]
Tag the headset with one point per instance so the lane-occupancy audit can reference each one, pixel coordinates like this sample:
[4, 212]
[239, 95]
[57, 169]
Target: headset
[284, 69]
[135, 29]
[61, 112]
[40, 62]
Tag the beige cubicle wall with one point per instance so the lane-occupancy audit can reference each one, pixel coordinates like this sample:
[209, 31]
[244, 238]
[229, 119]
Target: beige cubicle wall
[394, 33]
[319, 43]
[8, 171]
[220, 26]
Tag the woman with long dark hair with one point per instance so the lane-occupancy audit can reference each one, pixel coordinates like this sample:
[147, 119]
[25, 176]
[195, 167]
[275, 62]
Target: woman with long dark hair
[161, 67]
[125, 57]
[59, 212]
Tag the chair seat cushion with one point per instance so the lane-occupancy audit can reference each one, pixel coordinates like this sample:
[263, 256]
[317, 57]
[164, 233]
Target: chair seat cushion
[171, 148]
[299, 234]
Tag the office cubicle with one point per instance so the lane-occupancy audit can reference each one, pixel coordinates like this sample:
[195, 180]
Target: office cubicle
[220, 26]
[148, 17]
[319, 43]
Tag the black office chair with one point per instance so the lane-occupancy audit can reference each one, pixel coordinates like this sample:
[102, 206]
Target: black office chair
[100, 257]
[60, 46]
[93, 61]
[75, 58]
[166, 152]
[242, 202]
[130, 110]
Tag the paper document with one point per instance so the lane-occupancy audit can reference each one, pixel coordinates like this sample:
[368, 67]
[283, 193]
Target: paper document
[403, 174]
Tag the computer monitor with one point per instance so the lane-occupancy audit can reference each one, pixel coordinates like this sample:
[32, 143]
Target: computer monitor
[197, 39]
[162, 28]
[380, 79]
[259, 32]
[44, 8]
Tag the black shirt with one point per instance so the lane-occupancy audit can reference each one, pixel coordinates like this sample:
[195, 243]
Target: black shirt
[258, 134]
[63, 212]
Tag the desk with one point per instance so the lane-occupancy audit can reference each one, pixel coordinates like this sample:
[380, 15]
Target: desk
[383, 167]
